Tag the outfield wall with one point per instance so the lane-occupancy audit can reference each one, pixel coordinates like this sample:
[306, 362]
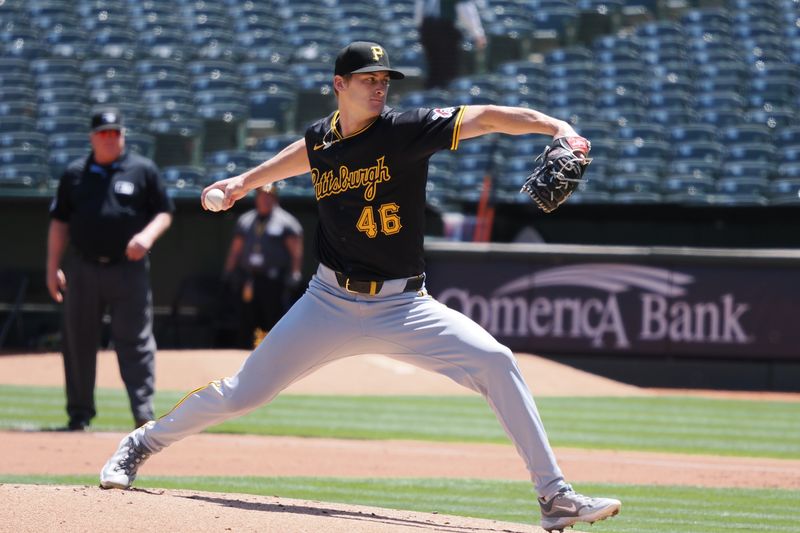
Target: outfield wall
[693, 317]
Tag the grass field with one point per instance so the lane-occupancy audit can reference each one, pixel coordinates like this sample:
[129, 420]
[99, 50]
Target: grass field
[669, 424]
[645, 508]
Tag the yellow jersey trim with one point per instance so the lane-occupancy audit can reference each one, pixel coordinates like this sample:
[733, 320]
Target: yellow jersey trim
[457, 129]
[339, 135]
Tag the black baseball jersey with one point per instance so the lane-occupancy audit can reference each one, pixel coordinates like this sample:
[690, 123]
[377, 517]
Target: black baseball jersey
[370, 189]
[107, 205]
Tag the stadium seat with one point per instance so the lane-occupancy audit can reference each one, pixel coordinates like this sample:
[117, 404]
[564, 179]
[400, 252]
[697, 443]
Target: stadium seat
[775, 118]
[775, 91]
[645, 149]
[753, 152]
[23, 139]
[748, 169]
[570, 54]
[635, 182]
[59, 81]
[24, 176]
[141, 143]
[593, 129]
[271, 111]
[743, 186]
[661, 29]
[655, 85]
[723, 69]
[479, 146]
[184, 177]
[693, 167]
[784, 192]
[721, 83]
[58, 160]
[688, 185]
[745, 133]
[274, 143]
[674, 99]
[590, 197]
[150, 82]
[26, 47]
[527, 69]
[720, 118]
[690, 133]
[12, 65]
[11, 123]
[54, 66]
[637, 197]
[160, 67]
[104, 64]
[706, 151]
[59, 141]
[177, 138]
[671, 116]
[619, 43]
[789, 153]
[17, 93]
[22, 155]
[639, 165]
[787, 136]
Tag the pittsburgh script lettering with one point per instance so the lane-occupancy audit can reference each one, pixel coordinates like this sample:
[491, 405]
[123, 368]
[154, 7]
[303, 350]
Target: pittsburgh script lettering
[328, 184]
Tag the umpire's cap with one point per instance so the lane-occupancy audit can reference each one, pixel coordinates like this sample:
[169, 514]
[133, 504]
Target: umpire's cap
[107, 119]
[363, 56]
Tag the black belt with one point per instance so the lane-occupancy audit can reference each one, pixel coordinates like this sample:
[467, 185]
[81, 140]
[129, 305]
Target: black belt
[101, 260]
[374, 287]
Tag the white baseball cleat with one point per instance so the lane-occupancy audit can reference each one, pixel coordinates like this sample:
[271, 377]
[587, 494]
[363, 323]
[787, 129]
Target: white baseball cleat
[120, 470]
[567, 508]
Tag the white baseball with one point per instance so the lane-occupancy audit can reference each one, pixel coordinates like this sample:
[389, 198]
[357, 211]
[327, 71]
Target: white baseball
[214, 199]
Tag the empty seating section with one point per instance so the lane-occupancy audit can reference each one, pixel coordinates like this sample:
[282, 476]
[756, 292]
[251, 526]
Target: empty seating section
[686, 102]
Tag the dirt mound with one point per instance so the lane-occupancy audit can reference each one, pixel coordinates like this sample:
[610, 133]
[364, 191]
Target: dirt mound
[32, 508]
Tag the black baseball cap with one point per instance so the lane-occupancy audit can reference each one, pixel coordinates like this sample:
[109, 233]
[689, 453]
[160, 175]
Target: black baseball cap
[363, 56]
[106, 119]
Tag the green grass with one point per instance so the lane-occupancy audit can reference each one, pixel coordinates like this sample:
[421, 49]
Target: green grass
[670, 424]
[654, 509]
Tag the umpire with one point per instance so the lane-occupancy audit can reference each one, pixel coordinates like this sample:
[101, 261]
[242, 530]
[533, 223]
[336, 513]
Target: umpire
[112, 206]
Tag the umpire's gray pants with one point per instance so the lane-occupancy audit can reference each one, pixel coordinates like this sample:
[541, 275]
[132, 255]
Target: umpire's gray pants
[124, 289]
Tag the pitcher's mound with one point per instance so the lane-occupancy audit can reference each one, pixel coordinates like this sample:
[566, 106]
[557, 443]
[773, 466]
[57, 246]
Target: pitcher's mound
[29, 508]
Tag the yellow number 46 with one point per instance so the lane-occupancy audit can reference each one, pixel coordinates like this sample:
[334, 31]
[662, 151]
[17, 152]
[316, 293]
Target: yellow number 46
[390, 220]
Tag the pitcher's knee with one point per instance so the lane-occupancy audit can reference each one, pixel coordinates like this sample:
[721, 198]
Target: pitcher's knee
[234, 400]
[500, 360]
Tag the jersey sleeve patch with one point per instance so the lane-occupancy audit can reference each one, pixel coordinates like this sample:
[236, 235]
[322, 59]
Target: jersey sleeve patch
[445, 112]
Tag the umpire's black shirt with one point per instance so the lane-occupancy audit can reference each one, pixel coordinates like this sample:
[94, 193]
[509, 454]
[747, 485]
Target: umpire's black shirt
[106, 205]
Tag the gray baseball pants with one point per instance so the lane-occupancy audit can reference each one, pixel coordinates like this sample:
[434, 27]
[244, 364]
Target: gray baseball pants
[328, 323]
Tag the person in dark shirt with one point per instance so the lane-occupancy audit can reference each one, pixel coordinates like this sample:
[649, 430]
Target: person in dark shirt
[368, 166]
[440, 24]
[263, 265]
[112, 207]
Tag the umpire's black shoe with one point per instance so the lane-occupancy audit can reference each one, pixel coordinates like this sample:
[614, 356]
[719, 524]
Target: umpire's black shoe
[75, 424]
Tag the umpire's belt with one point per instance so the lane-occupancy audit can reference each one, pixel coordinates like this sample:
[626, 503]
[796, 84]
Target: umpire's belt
[100, 259]
[374, 287]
